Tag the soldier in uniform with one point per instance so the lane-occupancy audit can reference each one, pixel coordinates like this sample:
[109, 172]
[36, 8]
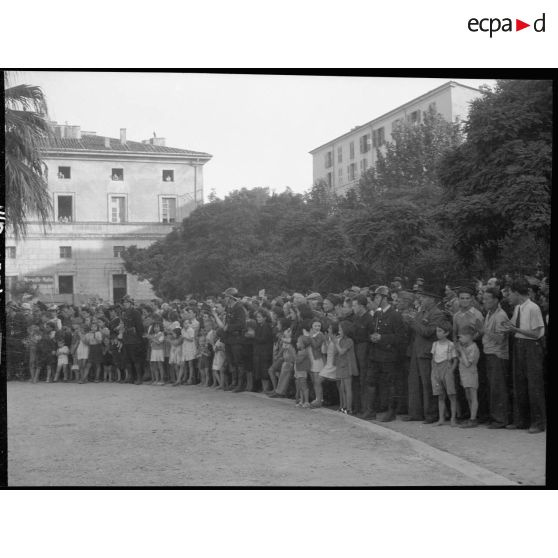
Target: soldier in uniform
[405, 301]
[387, 339]
[422, 403]
[235, 327]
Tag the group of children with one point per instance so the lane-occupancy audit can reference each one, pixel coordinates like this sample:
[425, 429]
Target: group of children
[448, 356]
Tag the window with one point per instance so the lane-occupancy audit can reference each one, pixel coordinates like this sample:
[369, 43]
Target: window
[363, 165]
[117, 206]
[168, 176]
[64, 173]
[379, 137]
[340, 175]
[395, 125]
[352, 150]
[168, 210]
[117, 174]
[117, 251]
[65, 284]
[414, 117]
[10, 252]
[328, 159]
[339, 154]
[351, 171]
[365, 143]
[65, 251]
[65, 208]
[329, 179]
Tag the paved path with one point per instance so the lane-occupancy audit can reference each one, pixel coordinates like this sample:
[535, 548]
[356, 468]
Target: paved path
[106, 434]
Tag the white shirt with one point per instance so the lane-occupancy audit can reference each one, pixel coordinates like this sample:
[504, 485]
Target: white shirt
[530, 318]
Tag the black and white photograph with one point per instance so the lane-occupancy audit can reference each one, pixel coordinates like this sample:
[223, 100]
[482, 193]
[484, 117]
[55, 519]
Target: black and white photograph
[271, 280]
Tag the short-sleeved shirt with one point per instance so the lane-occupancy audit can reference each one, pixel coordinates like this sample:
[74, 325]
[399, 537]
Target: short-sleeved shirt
[471, 317]
[443, 351]
[495, 338]
[472, 354]
[530, 318]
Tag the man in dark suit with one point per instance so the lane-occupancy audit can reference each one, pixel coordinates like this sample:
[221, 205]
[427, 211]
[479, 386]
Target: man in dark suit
[422, 403]
[132, 340]
[235, 327]
[387, 339]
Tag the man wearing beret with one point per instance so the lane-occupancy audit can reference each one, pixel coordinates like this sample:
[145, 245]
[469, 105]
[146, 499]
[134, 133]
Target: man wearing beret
[422, 403]
[386, 342]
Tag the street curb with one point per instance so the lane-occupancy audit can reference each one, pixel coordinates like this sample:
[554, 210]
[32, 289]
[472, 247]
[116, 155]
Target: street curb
[471, 470]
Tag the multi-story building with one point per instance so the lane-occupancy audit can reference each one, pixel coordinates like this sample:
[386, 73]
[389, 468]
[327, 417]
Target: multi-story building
[341, 161]
[107, 194]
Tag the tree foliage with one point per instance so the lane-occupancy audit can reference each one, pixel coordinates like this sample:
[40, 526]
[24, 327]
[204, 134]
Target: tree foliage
[497, 183]
[26, 124]
[435, 205]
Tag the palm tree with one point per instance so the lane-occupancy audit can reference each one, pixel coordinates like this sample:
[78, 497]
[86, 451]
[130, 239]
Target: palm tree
[26, 175]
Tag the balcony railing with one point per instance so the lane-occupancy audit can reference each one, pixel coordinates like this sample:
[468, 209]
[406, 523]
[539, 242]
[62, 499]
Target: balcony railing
[91, 228]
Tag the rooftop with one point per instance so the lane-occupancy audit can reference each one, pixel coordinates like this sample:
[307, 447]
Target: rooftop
[92, 142]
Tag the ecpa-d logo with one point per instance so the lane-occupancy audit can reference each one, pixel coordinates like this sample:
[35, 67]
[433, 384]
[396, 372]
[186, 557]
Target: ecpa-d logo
[494, 24]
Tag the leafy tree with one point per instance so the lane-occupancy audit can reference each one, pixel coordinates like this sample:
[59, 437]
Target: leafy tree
[497, 183]
[26, 175]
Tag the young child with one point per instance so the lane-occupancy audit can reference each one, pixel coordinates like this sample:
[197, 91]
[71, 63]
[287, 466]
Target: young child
[74, 370]
[108, 361]
[203, 358]
[468, 355]
[287, 364]
[345, 367]
[62, 360]
[175, 357]
[444, 363]
[214, 337]
[157, 355]
[301, 368]
[317, 339]
[83, 354]
[189, 351]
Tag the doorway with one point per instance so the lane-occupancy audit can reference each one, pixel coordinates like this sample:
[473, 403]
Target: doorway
[119, 287]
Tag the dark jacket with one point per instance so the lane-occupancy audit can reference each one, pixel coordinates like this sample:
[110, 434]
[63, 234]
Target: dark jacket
[235, 323]
[424, 327]
[263, 339]
[363, 327]
[133, 327]
[389, 325]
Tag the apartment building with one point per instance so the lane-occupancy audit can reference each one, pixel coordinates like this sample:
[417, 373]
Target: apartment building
[108, 194]
[342, 160]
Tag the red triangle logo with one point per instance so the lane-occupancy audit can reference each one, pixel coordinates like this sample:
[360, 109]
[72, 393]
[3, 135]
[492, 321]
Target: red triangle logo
[519, 25]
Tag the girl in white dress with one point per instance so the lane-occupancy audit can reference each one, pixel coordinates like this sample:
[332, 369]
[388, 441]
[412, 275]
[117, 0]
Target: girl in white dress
[189, 351]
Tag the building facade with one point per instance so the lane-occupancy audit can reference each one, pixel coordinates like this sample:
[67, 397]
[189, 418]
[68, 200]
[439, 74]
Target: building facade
[341, 161]
[107, 194]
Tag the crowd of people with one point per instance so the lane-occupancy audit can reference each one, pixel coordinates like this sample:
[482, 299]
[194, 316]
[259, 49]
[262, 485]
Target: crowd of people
[470, 355]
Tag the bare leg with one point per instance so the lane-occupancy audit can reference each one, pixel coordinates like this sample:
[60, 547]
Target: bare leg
[441, 410]
[348, 388]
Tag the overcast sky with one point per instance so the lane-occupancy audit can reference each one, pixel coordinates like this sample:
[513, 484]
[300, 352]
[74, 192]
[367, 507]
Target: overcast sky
[258, 128]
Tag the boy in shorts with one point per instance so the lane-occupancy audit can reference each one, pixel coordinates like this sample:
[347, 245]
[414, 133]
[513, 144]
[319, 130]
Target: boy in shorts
[468, 354]
[444, 363]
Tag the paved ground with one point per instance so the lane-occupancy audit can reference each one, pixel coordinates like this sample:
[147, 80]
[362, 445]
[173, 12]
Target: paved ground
[105, 434]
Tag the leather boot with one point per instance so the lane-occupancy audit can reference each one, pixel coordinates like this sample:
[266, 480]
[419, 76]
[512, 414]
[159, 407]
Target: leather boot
[249, 381]
[266, 386]
[370, 404]
[240, 381]
[234, 377]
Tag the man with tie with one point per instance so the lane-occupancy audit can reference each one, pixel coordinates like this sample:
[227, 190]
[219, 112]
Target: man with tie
[527, 326]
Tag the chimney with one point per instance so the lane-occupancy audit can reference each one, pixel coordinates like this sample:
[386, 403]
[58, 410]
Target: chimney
[123, 136]
[75, 132]
[107, 143]
[155, 141]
